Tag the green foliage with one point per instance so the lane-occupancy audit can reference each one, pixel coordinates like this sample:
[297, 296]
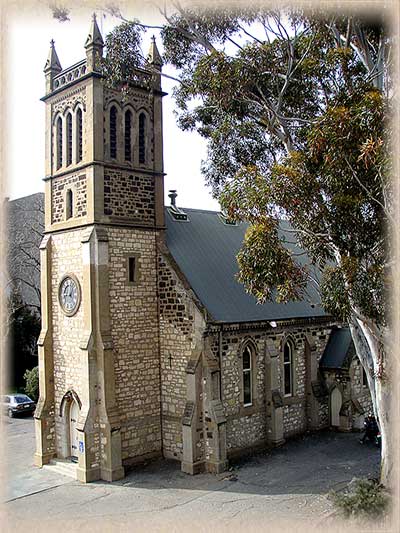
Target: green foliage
[366, 499]
[339, 180]
[23, 332]
[123, 53]
[265, 263]
[31, 378]
[335, 297]
[295, 121]
[296, 131]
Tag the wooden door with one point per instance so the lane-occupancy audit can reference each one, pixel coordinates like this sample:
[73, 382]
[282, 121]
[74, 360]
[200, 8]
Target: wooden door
[336, 404]
[73, 415]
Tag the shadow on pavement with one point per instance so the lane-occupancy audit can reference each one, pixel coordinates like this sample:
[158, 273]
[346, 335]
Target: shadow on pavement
[312, 464]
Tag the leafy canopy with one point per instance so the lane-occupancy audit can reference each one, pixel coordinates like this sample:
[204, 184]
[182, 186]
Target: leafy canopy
[293, 108]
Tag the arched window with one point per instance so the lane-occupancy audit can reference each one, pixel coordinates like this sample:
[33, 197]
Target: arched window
[59, 141]
[142, 138]
[247, 377]
[128, 145]
[69, 139]
[69, 204]
[288, 369]
[79, 135]
[113, 132]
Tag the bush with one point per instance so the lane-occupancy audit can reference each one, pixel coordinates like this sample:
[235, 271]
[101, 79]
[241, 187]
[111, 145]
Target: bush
[363, 498]
[32, 383]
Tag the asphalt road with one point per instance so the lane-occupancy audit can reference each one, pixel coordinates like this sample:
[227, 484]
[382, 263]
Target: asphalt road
[289, 483]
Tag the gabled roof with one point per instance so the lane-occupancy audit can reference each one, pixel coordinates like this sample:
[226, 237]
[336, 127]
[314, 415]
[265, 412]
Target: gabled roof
[205, 249]
[338, 351]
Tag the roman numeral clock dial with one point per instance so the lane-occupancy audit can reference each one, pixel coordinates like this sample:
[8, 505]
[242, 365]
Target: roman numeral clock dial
[69, 294]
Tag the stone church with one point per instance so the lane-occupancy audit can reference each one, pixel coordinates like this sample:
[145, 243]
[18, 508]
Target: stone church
[149, 346]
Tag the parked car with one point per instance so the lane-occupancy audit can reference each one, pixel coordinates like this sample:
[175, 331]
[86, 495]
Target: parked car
[17, 404]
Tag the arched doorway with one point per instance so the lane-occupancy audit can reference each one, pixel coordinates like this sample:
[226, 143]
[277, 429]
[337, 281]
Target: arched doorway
[73, 433]
[336, 404]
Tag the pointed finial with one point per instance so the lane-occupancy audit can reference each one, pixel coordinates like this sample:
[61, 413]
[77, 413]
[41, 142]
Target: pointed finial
[94, 37]
[52, 63]
[154, 57]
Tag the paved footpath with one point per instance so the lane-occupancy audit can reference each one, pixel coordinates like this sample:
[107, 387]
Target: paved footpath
[289, 483]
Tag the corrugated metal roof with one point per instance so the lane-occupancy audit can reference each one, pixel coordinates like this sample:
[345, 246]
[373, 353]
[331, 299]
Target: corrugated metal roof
[205, 249]
[336, 350]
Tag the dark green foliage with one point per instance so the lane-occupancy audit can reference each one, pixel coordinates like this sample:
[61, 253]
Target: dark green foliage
[23, 332]
[32, 383]
[123, 54]
[365, 499]
[295, 126]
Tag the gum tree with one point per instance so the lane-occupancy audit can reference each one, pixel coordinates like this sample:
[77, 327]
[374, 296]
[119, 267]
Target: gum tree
[295, 108]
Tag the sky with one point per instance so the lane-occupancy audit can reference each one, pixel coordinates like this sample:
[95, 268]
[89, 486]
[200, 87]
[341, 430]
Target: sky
[27, 34]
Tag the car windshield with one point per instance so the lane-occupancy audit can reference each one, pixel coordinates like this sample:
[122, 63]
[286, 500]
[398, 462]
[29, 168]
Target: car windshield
[22, 398]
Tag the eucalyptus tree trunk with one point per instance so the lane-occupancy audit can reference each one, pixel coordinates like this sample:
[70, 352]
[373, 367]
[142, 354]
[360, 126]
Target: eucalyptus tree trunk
[371, 353]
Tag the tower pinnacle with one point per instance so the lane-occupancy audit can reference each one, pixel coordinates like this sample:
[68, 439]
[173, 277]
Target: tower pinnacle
[94, 46]
[94, 37]
[52, 67]
[52, 63]
[154, 57]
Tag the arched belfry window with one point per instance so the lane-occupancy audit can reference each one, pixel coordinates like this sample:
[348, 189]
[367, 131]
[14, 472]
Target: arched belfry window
[79, 128]
[142, 138]
[247, 372]
[128, 136]
[113, 132]
[59, 141]
[69, 204]
[288, 369]
[69, 139]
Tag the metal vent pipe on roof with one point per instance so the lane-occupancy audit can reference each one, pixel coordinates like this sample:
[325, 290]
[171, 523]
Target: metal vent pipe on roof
[172, 195]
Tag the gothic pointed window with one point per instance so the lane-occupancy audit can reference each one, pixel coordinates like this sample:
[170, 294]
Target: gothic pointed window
[128, 137]
[288, 369]
[247, 377]
[59, 141]
[69, 139]
[79, 135]
[113, 132]
[142, 138]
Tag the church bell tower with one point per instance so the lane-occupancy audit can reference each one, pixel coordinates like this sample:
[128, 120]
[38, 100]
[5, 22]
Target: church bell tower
[99, 368]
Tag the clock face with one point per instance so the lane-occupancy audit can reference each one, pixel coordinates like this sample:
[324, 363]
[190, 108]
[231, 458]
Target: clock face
[69, 295]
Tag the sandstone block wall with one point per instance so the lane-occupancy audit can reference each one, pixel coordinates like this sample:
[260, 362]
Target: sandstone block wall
[69, 359]
[129, 195]
[75, 182]
[294, 411]
[135, 335]
[181, 329]
[359, 391]
[247, 426]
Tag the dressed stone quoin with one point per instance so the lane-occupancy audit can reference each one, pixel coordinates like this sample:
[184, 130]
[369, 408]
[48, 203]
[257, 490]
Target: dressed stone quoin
[149, 346]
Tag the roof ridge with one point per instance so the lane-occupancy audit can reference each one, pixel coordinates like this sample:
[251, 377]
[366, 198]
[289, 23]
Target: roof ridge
[196, 209]
[27, 196]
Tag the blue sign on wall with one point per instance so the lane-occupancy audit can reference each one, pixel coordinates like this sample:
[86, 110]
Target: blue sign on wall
[81, 447]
